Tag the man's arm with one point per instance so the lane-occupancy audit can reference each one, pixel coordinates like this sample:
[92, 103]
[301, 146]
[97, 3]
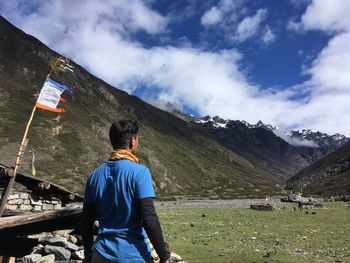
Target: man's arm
[89, 216]
[152, 226]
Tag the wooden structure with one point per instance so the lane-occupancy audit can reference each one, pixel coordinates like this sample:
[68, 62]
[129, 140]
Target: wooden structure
[15, 227]
[37, 186]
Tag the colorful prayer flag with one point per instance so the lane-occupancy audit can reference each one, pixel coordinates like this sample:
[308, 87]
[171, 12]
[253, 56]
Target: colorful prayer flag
[50, 96]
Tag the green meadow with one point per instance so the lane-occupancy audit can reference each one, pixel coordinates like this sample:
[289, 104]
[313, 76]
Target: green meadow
[245, 235]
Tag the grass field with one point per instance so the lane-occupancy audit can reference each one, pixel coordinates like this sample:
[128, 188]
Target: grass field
[245, 235]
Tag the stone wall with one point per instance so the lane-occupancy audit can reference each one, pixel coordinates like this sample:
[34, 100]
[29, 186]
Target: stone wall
[25, 202]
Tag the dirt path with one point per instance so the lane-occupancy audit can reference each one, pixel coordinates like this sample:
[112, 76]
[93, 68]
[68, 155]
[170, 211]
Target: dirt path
[235, 203]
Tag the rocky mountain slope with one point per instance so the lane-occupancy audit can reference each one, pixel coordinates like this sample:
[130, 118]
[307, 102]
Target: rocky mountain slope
[257, 143]
[316, 144]
[183, 160]
[328, 176]
[282, 156]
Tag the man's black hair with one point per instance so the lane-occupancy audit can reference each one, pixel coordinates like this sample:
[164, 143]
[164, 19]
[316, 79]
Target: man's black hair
[121, 132]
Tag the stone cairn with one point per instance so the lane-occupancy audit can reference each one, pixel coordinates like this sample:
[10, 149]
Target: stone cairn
[25, 202]
[61, 246]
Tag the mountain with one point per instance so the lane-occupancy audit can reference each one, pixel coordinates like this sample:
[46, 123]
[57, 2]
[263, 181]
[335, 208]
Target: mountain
[328, 176]
[281, 156]
[316, 144]
[183, 160]
[257, 143]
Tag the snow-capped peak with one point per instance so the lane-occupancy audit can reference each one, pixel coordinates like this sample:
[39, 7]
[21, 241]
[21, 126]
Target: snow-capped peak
[216, 121]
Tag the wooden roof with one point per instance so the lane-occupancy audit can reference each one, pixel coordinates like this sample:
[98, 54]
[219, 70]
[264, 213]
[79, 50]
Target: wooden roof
[34, 183]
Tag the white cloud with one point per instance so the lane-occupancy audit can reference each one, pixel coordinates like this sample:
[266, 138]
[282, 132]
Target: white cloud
[329, 78]
[295, 26]
[225, 10]
[100, 39]
[229, 17]
[268, 36]
[285, 135]
[330, 71]
[250, 25]
[211, 17]
[327, 15]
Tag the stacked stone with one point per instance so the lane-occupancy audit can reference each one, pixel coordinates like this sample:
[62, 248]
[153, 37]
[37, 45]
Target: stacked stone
[22, 202]
[64, 249]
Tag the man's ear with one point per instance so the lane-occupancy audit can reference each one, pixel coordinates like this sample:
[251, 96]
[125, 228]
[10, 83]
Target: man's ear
[132, 142]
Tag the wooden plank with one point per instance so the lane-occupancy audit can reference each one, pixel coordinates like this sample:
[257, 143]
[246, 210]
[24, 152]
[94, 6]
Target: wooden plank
[32, 182]
[32, 223]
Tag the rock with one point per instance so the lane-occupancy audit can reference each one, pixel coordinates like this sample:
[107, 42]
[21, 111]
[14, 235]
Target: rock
[37, 208]
[33, 202]
[76, 261]
[62, 261]
[63, 233]
[11, 207]
[80, 240]
[72, 239]
[15, 202]
[24, 195]
[39, 249]
[253, 238]
[70, 246]
[32, 258]
[78, 255]
[57, 206]
[47, 207]
[59, 252]
[25, 207]
[55, 241]
[47, 259]
[26, 201]
[13, 196]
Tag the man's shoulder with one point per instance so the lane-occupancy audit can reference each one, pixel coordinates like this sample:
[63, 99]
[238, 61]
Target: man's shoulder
[125, 165]
[137, 166]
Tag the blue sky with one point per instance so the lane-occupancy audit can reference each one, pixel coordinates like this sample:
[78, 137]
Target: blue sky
[284, 62]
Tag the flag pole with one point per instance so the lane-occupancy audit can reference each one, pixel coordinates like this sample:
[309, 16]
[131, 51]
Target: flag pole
[22, 147]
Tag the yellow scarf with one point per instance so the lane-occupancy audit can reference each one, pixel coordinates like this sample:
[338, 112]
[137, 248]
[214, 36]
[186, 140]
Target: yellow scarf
[123, 154]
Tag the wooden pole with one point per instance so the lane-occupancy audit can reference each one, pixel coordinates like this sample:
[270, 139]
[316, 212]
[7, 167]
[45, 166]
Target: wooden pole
[18, 163]
[24, 142]
[6, 192]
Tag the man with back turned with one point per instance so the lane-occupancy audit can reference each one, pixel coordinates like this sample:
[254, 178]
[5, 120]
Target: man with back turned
[119, 194]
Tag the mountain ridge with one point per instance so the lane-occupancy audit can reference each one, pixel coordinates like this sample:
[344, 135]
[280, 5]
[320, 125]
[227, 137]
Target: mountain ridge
[328, 176]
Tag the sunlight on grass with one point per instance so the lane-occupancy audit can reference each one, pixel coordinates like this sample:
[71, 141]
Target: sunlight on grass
[244, 235]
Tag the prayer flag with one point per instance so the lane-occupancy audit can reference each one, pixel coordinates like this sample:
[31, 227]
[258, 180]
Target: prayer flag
[50, 96]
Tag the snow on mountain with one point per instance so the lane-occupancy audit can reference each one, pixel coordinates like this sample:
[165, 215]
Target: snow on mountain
[218, 122]
[303, 138]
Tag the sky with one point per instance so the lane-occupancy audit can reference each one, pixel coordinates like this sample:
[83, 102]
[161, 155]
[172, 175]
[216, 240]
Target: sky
[285, 62]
